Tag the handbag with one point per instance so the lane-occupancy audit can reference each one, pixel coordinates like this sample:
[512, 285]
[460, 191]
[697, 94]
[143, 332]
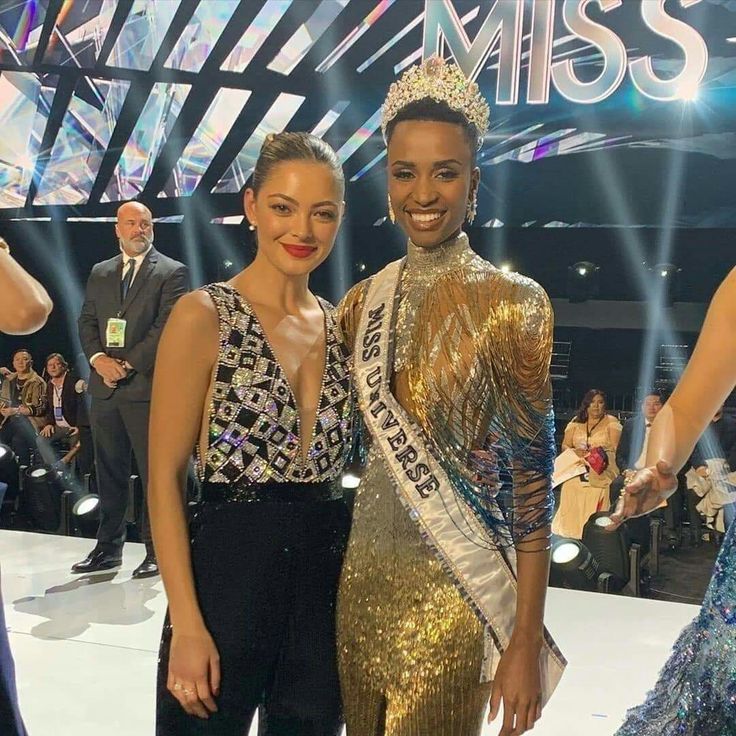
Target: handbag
[597, 459]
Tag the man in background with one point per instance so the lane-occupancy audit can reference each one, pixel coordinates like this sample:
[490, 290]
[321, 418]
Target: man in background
[631, 454]
[127, 302]
[716, 446]
[60, 436]
[22, 406]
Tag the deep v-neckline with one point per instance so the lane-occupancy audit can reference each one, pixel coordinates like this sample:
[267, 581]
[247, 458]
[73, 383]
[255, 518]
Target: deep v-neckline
[304, 452]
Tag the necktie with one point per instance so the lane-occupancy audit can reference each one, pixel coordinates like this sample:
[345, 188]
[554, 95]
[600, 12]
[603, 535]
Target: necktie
[127, 279]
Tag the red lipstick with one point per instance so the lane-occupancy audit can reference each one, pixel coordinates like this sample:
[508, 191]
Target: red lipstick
[299, 251]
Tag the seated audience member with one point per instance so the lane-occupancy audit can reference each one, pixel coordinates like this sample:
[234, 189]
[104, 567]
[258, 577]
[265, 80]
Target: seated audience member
[23, 402]
[631, 454]
[708, 492]
[593, 435]
[60, 437]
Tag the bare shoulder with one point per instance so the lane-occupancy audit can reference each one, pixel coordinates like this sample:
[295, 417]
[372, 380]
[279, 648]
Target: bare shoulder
[194, 312]
[727, 289]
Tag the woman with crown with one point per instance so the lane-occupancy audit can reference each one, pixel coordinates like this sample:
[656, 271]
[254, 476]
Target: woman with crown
[442, 592]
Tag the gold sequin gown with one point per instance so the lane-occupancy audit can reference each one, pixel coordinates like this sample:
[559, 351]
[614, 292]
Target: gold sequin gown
[410, 647]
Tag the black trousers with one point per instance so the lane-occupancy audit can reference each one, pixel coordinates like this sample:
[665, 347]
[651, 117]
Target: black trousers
[19, 434]
[119, 426]
[266, 575]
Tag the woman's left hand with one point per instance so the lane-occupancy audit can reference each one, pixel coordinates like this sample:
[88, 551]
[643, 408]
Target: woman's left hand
[518, 684]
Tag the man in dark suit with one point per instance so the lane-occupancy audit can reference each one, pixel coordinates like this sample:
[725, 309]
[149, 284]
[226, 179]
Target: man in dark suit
[127, 302]
[632, 453]
[65, 414]
[632, 447]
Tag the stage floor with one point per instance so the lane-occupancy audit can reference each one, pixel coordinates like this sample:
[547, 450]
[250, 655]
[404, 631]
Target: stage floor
[86, 647]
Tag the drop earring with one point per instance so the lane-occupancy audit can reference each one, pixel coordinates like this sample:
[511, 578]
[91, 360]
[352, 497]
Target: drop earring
[472, 208]
[391, 215]
[251, 227]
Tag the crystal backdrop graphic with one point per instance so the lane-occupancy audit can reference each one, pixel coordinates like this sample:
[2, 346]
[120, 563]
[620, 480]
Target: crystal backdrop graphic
[596, 104]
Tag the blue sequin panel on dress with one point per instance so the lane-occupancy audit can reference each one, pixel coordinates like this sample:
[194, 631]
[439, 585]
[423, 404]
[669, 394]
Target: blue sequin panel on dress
[696, 691]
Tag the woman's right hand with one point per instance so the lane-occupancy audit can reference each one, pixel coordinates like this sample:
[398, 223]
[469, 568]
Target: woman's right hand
[647, 490]
[194, 672]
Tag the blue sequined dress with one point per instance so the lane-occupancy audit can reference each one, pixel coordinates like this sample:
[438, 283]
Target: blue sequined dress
[696, 691]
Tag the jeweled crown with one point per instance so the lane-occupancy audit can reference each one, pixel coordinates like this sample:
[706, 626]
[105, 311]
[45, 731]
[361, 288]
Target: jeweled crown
[443, 82]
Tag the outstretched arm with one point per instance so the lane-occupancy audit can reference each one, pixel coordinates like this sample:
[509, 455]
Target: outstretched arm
[24, 303]
[705, 384]
[180, 385]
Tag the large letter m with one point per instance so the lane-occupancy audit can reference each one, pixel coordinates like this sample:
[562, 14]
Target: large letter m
[502, 27]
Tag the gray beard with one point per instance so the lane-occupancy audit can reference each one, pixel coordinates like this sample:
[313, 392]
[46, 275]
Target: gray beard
[143, 248]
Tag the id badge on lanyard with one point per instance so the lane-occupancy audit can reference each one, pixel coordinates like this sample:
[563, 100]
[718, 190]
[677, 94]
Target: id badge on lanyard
[115, 332]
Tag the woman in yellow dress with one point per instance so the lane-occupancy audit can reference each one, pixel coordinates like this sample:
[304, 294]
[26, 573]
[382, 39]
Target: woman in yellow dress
[451, 365]
[592, 427]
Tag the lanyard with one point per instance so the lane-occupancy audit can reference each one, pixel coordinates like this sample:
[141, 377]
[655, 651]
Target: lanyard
[590, 430]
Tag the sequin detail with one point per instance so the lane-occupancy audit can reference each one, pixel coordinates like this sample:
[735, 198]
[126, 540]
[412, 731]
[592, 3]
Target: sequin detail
[471, 363]
[486, 403]
[696, 691]
[254, 418]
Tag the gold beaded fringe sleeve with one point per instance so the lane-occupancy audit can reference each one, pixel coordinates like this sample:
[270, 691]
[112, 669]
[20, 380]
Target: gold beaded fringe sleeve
[474, 374]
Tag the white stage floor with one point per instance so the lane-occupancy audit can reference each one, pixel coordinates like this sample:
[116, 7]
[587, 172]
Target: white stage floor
[86, 647]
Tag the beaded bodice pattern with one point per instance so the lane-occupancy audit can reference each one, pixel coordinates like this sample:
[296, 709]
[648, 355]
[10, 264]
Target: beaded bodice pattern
[254, 424]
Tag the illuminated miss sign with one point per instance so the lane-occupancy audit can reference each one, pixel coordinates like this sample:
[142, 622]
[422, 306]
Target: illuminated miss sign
[502, 29]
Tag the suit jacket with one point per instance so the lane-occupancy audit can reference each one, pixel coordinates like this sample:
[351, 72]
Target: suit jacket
[71, 402]
[631, 443]
[719, 440]
[158, 284]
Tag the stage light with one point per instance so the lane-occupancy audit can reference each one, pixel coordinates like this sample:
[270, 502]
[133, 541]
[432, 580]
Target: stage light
[41, 498]
[573, 566]
[582, 281]
[612, 551]
[352, 475]
[8, 464]
[86, 514]
[350, 481]
[667, 274]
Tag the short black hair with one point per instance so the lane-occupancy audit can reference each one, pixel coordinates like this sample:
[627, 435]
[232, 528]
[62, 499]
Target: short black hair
[435, 111]
[21, 350]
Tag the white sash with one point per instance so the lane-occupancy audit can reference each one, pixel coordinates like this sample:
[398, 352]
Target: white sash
[483, 573]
